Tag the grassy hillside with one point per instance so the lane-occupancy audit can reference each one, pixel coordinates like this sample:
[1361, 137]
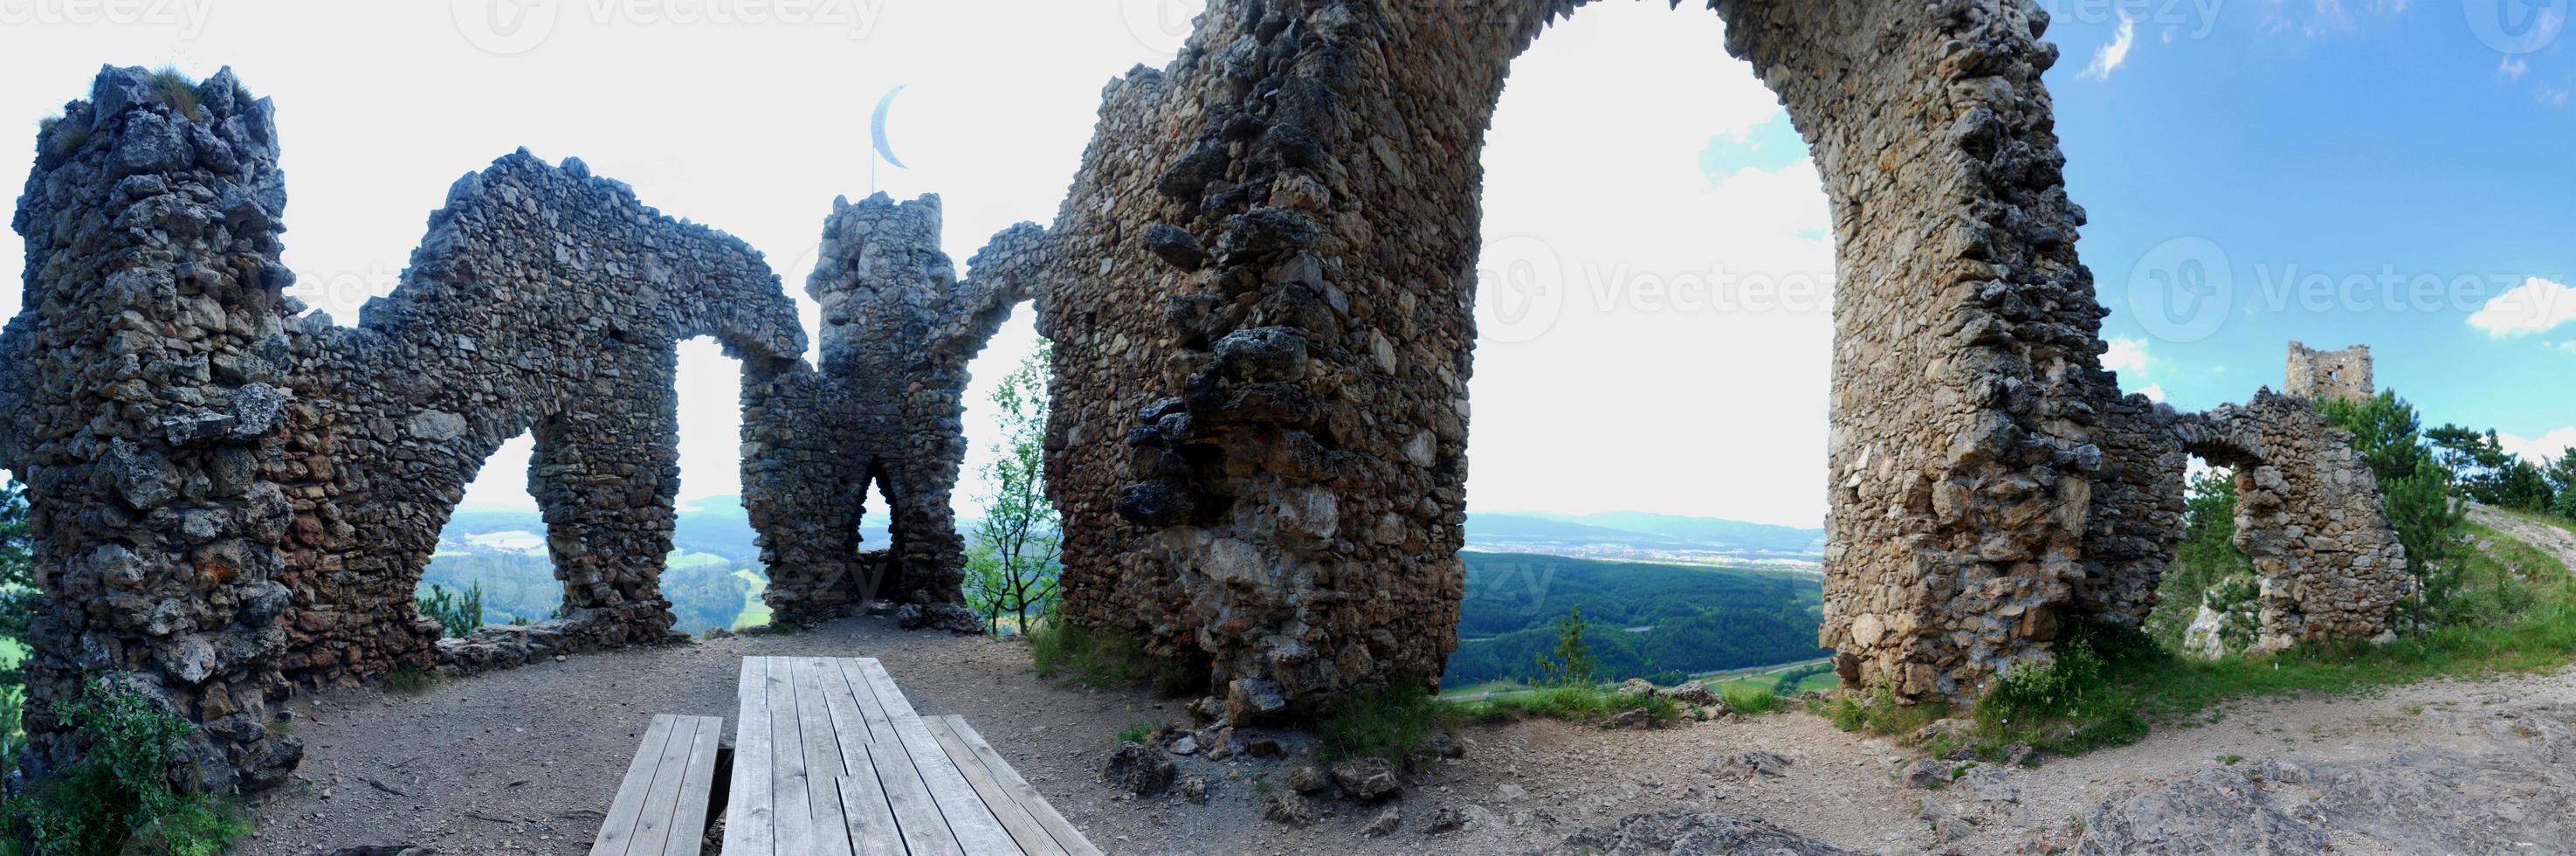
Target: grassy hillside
[1643, 620]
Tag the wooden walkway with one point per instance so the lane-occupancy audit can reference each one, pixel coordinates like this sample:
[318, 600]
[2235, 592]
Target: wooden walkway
[830, 759]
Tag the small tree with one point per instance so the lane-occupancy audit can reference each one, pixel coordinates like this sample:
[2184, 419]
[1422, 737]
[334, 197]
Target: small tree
[17, 610]
[1013, 566]
[1572, 665]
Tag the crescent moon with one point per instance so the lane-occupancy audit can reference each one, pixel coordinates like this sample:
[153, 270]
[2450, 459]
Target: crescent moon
[876, 128]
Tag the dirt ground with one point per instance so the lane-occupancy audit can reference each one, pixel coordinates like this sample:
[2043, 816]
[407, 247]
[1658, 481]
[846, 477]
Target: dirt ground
[524, 761]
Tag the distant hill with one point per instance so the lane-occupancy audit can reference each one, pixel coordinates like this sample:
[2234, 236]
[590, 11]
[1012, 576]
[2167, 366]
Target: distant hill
[1642, 619]
[715, 524]
[1639, 535]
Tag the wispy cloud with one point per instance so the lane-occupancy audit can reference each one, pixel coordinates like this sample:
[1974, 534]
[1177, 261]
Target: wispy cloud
[2568, 346]
[2153, 392]
[2542, 449]
[2512, 68]
[2316, 18]
[2550, 95]
[2111, 56]
[2538, 305]
[2126, 355]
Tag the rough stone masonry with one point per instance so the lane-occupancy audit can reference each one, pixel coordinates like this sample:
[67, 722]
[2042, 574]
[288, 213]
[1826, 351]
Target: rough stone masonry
[1259, 296]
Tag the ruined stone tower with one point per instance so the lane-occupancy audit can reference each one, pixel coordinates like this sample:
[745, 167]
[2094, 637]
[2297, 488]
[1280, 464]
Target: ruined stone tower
[2319, 375]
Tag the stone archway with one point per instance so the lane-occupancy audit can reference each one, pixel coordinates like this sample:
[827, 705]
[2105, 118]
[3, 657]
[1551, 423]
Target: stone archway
[1288, 504]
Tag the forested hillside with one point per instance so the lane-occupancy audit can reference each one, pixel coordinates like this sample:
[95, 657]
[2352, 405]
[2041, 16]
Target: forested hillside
[1642, 619]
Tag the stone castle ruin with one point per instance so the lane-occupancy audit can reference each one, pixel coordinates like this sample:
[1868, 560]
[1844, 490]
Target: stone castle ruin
[2330, 374]
[1258, 294]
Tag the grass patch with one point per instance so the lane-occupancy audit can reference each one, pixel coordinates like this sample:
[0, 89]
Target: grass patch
[1579, 703]
[117, 798]
[1137, 732]
[1749, 700]
[1878, 713]
[175, 90]
[1391, 722]
[755, 609]
[411, 681]
[1099, 658]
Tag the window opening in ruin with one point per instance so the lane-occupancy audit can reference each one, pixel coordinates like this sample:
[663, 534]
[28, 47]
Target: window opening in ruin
[713, 576]
[1011, 529]
[492, 564]
[1652, 363]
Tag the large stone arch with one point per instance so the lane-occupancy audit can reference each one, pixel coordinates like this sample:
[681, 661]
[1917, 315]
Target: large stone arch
[1297, 195]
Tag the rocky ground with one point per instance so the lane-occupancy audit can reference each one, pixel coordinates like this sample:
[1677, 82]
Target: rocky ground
[523, 761]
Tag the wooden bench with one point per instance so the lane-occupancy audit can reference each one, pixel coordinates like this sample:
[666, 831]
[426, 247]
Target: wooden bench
[831, 759]
[661, 807]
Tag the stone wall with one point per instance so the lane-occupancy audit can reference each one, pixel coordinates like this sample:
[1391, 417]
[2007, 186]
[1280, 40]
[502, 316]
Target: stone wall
[2319, 375]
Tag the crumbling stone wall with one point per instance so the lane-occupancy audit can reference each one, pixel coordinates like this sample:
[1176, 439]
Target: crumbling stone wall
[2319, 375]
[2310, 517]
[231, 497]
[899, 328]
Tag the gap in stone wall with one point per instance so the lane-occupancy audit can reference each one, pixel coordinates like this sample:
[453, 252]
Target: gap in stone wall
[497, 537]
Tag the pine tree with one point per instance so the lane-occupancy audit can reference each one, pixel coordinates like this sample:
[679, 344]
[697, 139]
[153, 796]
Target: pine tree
[1572, 665]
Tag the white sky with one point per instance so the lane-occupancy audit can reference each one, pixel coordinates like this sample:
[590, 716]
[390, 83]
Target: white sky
[1593, 168]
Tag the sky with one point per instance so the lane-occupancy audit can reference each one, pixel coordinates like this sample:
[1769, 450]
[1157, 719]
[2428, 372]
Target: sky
[1655, 291]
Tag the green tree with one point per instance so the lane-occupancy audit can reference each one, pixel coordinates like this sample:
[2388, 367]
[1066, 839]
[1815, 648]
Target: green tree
[456, 615]
[17, 610]
[1013, 565]
[1572, 665]
[2486, 472]
[2561, 475]
[2416, 485]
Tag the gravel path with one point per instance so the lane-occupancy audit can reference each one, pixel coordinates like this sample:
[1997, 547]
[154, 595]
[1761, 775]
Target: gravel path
[2554, 540]
[523, 761]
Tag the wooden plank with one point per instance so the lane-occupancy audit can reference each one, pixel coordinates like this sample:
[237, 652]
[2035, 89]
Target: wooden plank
[697, 791]
[750, 813]
[794, 806]
[974, 825]
[653, 830]
[917, 818]
[822, 756]
[618, 829]
[880, 728]
[1029, 798]
[1032, 838]
[864, 808]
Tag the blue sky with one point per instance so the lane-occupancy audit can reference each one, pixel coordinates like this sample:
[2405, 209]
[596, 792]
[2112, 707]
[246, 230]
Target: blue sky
[2354, 139]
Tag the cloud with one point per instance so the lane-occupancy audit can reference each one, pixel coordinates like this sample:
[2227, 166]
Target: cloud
[2153, 392]
[2512, 68]
[2568, 346]
[2550, 95]
[2536, 306]
[2126, 355]
[2113, 55]
[2539, 450]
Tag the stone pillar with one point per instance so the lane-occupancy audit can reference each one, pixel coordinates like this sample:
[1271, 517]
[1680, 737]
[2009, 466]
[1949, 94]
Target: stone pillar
[151, 350]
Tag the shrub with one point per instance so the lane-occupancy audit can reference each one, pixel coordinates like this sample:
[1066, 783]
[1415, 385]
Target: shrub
[1881, 712]
[117, 798]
